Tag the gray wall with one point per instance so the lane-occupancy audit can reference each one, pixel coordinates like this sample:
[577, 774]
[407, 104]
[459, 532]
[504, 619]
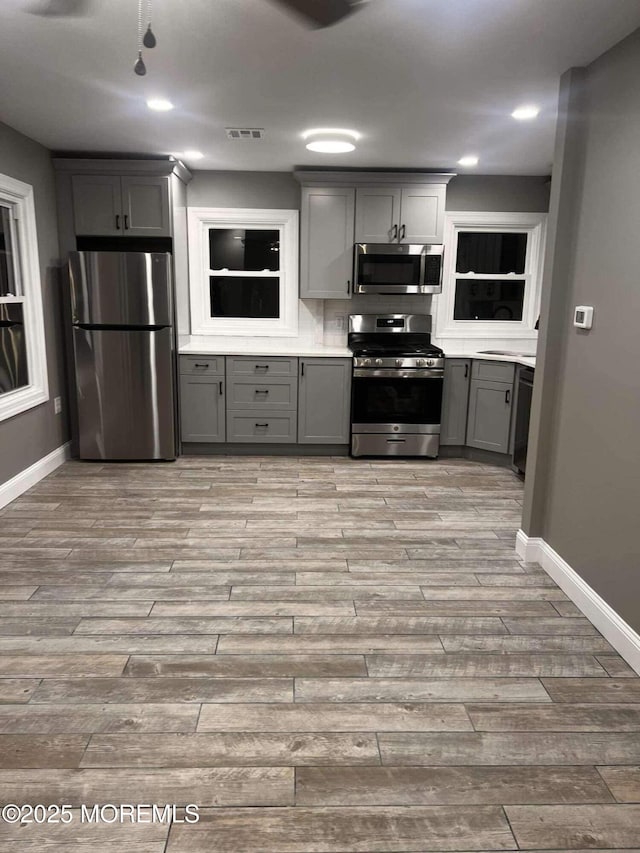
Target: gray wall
[502, 193]
[28, 437]
[584, 492]
[277, 190]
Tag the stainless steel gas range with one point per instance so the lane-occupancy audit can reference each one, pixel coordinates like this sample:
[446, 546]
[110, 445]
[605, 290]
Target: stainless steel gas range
[397, 385]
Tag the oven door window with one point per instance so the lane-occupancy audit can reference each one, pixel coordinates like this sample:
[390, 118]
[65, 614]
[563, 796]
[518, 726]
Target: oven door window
[395, 270]
[396, 401]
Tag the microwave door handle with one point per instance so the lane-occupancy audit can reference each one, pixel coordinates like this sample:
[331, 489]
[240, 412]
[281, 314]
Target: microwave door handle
[423, 269]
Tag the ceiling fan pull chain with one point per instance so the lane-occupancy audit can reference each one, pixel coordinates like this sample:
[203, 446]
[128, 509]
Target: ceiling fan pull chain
[140, 68]
[149, 39]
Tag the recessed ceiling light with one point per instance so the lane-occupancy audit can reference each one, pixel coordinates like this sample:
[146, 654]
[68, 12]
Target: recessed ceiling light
[469, 160]
[331, 140]
[526, 112]
[162, 105]
[192, 155]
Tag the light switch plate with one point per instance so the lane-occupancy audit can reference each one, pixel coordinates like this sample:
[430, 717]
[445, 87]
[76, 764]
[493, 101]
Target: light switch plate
[583, 316]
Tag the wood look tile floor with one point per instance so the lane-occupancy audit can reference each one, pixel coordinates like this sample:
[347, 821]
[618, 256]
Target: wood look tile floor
[323, 654]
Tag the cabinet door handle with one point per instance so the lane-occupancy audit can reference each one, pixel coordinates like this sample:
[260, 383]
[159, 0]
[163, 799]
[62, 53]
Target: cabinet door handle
[395, 232]
[348, 287]
[507, 396]
[466, 371]
[403, 231]
[302, 368]
[262, 426]
[117, 221]
[126, 222]
[220, 387]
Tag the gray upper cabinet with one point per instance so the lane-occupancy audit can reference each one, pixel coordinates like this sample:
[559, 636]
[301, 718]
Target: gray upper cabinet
[97, 205]
[324, 400]
[202, 408]
[489, 420]
[145, 206]
[131, 206]
[422, 214]
[377, 214]
[326, 242]
[455, 401]
[410, 214]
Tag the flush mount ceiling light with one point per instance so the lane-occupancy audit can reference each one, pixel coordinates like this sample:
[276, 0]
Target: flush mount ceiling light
[526, 112]
[469, 160]
[161, 105]
[330, 140]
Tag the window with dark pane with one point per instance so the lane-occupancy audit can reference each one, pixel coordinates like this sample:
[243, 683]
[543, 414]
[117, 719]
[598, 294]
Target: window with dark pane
[239, 296]
[486, 299]
[244, 249]
[497, 253]
[14, 372]
[7, 280]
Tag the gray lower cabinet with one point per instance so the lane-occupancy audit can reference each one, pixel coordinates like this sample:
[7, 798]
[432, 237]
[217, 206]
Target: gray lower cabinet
[202, 408]
[489, 419]
[261, 427]
[262, 399]
[324, 400]
[455, 401]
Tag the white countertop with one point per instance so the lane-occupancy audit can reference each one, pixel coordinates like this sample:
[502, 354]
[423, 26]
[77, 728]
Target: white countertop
[526, 360]
[272, 346]
[294, 347]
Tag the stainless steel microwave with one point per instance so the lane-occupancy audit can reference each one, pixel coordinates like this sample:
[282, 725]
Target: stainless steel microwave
[394, 268]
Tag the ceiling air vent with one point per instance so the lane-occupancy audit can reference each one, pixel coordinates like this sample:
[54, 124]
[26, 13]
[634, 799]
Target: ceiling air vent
[251, 134]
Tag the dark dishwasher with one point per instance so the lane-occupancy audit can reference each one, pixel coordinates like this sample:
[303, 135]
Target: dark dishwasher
[523, 412]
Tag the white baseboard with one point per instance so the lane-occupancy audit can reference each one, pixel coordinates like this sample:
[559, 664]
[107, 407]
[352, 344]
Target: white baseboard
[614, 629]
[19, 484]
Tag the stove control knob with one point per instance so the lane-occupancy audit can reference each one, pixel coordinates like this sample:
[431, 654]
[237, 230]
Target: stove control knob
[366, 362]
[398, 362]
[420, 362]
[429, 362]
[378, 361]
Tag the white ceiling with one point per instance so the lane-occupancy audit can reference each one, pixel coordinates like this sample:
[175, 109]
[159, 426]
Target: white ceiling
[424, 81]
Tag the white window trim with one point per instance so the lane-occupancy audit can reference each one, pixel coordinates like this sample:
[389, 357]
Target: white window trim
[200, 219]
[535, 224]
[20, 197]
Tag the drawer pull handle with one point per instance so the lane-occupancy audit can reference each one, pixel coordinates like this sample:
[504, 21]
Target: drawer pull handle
[262, 391]
[396, 440]
[201, 365]
[262, 426]
[262, 367]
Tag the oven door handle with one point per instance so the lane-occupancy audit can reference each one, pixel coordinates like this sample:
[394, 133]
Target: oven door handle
[397, 373]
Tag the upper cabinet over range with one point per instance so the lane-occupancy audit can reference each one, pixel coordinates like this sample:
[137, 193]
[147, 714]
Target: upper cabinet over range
[388, 214]
[339, 209]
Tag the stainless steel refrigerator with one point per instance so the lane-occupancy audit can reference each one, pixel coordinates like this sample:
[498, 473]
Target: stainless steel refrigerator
[123, 344]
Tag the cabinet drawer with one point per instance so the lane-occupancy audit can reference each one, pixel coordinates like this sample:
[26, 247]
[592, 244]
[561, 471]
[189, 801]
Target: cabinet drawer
[269, 395]
[493, 371]
[202, 365]
[261, 427]
[261, 367]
